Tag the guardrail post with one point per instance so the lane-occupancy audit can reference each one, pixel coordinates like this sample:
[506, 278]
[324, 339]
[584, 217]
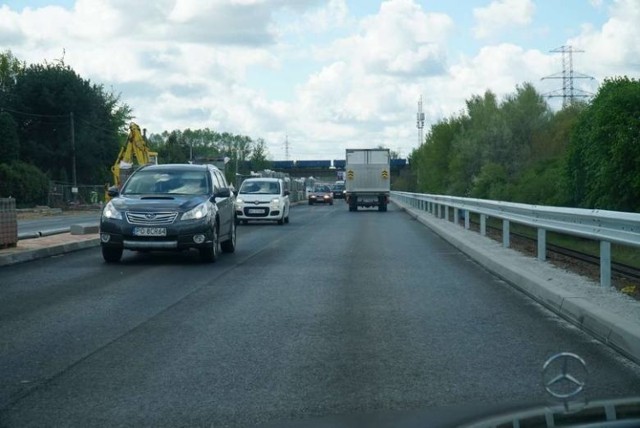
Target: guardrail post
[505, 233]
[483, 224]
[455, 214]
[605, 264]
[466, 219]
[542, 244]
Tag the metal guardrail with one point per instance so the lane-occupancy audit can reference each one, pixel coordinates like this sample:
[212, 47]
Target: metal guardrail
[607, 227]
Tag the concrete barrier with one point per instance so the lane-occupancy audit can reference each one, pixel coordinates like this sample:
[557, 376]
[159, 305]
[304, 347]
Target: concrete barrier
[84, 228]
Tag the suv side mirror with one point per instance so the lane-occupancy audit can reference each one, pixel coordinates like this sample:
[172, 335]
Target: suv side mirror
[225, 192]
[286, 193]
[113, 191]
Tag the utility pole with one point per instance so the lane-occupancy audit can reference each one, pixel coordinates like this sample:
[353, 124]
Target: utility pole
[74, 189]
[420, 123]
[569, 91]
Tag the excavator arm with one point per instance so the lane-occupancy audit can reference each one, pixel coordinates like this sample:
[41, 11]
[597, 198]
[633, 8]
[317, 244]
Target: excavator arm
[135, 151]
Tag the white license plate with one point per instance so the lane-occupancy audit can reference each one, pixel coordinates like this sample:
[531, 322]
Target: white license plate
[255, 211]
[150, 231]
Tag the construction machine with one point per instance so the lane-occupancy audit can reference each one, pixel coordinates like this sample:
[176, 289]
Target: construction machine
[133, 154]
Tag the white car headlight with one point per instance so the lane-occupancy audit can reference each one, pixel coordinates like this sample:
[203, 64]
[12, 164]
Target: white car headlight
[239, 201]
[111, 212]
[201, 211]
[275, 201]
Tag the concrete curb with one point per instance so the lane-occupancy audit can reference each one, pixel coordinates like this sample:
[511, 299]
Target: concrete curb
[579, 306]
[29, 255]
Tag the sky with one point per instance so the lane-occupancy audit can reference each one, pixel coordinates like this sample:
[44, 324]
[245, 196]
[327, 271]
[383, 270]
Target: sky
[321, 75]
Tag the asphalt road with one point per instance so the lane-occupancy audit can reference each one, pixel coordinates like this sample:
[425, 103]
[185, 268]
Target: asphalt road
[47, 223]
[336, 313]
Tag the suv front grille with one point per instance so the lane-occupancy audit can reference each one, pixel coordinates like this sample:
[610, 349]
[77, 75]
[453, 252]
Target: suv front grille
[151, 218]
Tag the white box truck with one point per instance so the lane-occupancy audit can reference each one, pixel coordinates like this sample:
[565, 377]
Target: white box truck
[367, 178]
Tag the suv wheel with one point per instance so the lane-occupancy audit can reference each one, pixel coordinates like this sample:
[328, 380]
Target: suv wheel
[229, 246]
[111, 254]
[210, 254]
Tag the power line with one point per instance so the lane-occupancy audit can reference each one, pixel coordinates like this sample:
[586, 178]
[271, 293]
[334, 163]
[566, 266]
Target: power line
[32, 114]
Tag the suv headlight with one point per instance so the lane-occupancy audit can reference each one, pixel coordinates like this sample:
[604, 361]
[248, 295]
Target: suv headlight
[111, 212]
[201, 211]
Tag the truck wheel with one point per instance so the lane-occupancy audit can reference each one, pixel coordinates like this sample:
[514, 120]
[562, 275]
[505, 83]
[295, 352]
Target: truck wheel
[111, 254]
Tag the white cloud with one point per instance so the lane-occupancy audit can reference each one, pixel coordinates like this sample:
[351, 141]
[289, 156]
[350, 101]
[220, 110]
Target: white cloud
[400, 39]
[188, 64]
[612, 49]
[500, 15]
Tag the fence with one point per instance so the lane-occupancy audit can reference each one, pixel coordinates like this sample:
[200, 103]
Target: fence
[606, 227]
[62, 195]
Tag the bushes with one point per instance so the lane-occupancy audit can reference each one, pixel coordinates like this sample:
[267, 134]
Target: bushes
[24, 182]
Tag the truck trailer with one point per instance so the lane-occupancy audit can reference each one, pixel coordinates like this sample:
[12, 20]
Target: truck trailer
[367, 178]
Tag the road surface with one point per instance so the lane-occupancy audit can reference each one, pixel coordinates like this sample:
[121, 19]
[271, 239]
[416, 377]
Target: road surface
[336, 313]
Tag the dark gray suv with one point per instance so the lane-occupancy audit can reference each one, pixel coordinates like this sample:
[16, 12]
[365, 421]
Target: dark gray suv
[170, 207]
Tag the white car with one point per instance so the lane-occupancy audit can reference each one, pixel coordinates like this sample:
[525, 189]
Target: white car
[262, 199]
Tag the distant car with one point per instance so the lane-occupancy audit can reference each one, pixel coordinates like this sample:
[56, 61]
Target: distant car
[170, 207]
[338, 190]
[321, 194]
[263, 199]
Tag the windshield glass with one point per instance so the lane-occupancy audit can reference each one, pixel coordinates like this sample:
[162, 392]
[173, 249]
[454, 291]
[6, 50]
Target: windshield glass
[260, 187]
[322, 189]
[167, 182]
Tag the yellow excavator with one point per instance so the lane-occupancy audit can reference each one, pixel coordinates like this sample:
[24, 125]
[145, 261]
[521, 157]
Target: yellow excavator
[134, 152]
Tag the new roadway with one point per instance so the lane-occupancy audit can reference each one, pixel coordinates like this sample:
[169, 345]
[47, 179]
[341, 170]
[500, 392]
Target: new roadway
[333, 315]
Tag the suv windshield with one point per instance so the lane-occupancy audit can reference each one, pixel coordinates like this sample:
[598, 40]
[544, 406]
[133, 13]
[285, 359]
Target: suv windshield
[167, 182]
[260, 187]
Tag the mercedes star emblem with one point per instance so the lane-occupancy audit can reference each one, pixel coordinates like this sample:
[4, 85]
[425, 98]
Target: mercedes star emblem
[564, 375]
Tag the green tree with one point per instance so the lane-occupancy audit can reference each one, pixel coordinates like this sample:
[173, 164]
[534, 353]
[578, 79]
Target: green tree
[9, 143]
[10, 70]
[525, 114]
[431, 161]
[259, 155]
[26, 183]
[44, 96]
[603, 166]
[175, 150]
